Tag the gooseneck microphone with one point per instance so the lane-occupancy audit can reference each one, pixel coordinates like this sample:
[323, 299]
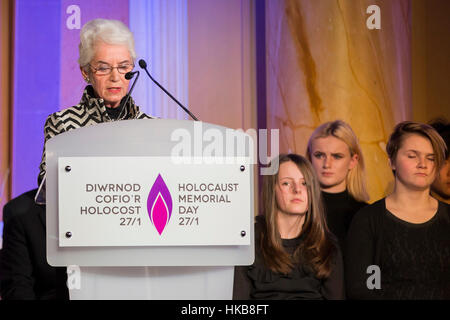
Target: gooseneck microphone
[143, 65]
[128, 76]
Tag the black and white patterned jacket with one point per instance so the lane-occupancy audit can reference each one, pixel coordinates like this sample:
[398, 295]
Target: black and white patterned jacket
[89, 111]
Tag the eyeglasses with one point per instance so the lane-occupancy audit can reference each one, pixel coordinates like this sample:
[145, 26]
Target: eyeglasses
[104, 70]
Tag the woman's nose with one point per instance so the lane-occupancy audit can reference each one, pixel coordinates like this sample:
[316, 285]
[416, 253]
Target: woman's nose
[296, 188]
[327, 162]
[114, 75]
[422, 162]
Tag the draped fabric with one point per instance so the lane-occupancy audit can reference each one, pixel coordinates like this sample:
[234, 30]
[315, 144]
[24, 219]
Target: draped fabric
[324, 63]
[161, 36]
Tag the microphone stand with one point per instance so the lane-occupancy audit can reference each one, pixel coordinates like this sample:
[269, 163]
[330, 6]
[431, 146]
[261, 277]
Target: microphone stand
[128, 76]
[143, 65]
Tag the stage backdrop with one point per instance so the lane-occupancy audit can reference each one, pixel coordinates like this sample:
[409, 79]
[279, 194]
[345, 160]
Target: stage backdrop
[277, 64]
[329, 60]
[198, 49]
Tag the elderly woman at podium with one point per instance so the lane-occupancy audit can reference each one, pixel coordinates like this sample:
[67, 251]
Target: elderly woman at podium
[106, 54]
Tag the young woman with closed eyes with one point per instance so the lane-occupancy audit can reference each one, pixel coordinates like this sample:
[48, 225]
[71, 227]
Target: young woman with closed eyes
[406, 235]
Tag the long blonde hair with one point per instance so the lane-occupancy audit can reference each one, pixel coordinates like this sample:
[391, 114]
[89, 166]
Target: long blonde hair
[317, 248]
[356, 178]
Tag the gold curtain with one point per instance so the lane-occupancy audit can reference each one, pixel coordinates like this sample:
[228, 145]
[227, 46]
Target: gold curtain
[324, 63]
[430, 62]
[6, 18]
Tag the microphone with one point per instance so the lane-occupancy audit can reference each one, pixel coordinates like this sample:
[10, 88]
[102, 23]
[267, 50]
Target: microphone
[143, 65]
[128, 76]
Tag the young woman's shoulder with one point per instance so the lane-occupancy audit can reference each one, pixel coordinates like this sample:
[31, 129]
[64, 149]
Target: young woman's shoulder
[444, 206]
[369, 215]
[372, 209]
[444, 209]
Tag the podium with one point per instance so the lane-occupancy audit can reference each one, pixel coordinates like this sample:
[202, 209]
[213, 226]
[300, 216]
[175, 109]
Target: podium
[150, 209]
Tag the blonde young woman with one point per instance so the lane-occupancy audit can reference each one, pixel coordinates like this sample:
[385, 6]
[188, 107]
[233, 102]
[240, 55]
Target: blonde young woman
[336, 156]
[296, 257]
[399, 246]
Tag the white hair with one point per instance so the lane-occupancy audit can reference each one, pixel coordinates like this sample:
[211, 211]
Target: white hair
[109, 31]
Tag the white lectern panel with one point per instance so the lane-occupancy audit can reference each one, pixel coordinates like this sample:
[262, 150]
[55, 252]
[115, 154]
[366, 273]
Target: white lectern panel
[152, 201]
[147, 138]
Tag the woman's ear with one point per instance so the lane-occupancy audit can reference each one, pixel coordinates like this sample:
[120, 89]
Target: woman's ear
[85, 75]
[391, 164]
[353, 161]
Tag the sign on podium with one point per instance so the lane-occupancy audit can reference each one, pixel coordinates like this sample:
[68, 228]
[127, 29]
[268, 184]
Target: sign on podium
[145, 209]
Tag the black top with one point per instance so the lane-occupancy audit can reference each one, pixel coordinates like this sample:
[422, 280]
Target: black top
[24, 271]
[258, 282]
[340, 209]
[114, 113]
[414, 259]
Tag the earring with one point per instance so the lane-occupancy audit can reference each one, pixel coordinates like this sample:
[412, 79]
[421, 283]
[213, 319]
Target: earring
[87, 79]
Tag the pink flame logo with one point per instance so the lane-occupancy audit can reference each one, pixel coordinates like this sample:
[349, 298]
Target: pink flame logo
[159, 204]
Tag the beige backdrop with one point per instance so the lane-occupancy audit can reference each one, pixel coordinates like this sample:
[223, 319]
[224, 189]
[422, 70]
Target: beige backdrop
[221, 62]
[430, 59]
[324, 63]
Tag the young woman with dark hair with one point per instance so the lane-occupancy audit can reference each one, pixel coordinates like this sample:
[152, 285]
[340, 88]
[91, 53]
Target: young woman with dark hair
[296, 257]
